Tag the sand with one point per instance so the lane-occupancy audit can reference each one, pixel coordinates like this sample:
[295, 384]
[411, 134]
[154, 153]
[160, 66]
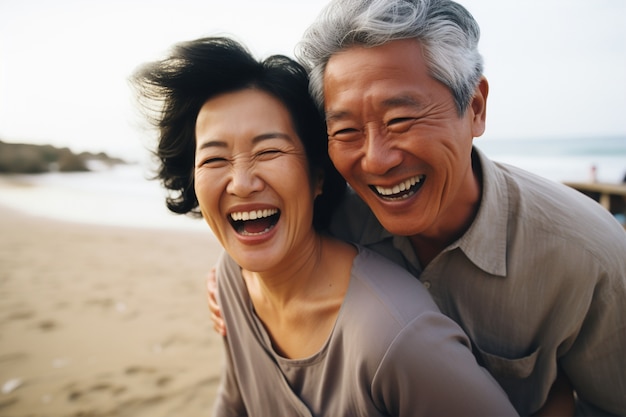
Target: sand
[104, 321]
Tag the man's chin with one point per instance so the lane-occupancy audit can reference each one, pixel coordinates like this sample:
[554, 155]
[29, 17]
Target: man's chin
[400, 225]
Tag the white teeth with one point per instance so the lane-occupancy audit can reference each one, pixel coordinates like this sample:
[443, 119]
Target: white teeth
[252, 215]
[403, 186]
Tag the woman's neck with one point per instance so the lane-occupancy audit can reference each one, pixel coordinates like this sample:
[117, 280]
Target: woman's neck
[298, 303]
[291, 279]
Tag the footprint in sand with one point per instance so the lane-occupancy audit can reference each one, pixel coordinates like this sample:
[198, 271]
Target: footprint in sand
[47, 325]
[99, 389]
[137, 369]
[21, 315]
[160, 381]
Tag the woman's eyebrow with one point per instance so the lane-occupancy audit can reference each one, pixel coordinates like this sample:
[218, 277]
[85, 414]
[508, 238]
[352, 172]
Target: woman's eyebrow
[216, 143]
[211, 144]
[271, 135]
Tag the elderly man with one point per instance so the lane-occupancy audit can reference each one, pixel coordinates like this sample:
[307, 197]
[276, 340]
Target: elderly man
[533, 271]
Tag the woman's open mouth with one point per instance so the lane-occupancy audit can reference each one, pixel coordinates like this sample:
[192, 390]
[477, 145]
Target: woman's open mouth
[254, 222]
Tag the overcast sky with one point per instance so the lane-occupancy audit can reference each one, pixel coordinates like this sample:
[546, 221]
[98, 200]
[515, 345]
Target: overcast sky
[556, 67]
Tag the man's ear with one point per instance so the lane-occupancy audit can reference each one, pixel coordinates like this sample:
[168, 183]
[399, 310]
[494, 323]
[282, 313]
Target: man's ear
[479, 107]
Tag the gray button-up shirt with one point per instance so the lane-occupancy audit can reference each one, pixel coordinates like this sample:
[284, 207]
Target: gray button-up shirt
[538, 281]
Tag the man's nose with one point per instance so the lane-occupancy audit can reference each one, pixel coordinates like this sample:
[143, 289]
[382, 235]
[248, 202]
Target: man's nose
[380, 155]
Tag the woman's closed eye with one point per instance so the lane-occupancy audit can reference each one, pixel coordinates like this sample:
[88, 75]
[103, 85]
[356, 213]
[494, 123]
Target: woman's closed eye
[266, 154]
[213, 161]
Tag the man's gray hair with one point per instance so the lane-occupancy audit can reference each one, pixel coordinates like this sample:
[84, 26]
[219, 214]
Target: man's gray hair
[447, 32]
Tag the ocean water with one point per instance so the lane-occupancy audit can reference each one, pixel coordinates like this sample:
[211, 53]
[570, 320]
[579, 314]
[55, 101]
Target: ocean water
[124, 196]
[576, 160]
[117, 196]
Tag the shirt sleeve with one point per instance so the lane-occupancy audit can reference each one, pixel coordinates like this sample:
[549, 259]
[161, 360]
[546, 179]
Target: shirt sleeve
[228, 401]
[429, 370]
[596, 361]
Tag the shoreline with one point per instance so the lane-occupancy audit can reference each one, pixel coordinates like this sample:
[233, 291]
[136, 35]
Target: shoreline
[104, 320]
[119, 197]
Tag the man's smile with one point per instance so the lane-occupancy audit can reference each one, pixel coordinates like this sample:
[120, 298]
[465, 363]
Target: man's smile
[400, 191]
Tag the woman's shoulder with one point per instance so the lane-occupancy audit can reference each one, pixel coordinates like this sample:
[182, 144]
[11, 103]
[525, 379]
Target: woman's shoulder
[391, 286]
[228, 275]
[382, 301]
[393, 314]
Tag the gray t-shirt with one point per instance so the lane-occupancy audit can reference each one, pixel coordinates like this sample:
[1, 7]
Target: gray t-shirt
[537, 282]
[391, 353]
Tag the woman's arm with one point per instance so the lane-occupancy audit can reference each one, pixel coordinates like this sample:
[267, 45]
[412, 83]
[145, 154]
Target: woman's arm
[429, 370]
[228, 401]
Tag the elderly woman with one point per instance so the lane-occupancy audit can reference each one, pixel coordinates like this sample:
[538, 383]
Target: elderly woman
[313, 328]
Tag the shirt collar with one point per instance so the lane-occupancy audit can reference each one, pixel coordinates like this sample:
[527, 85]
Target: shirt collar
[485, 242]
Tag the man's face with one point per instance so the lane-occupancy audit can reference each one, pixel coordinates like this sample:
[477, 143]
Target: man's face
[396, 137]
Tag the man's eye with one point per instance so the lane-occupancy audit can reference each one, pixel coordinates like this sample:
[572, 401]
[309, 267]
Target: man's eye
[344, 134]
[346, 131]
[400, 124]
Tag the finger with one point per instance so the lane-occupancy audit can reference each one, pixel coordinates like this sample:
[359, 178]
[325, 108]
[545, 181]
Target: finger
[211, 279]
[216, 313]
[218, 325]
[214, 307]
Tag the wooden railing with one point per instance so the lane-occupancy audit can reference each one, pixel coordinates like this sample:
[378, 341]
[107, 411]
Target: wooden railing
[611, 196]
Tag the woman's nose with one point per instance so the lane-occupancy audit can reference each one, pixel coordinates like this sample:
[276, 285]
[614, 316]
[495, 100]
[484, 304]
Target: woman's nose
[243, 180]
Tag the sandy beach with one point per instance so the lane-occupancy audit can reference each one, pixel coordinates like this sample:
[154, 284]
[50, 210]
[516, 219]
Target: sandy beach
[104, 321]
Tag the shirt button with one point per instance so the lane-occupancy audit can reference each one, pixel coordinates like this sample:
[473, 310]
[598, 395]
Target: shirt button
[426, 284]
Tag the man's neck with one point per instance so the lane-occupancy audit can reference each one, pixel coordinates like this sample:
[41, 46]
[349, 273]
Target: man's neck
[429, 244]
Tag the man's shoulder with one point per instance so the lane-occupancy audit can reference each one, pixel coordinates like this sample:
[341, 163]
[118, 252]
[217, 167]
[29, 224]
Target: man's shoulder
[548, 207]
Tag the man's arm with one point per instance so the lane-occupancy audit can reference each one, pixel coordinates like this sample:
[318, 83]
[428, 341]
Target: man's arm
[560, 402]
[216, 313]
[596, 362]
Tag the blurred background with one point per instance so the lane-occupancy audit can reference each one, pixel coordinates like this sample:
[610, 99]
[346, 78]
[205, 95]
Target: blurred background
[103, 311]
[556, 104]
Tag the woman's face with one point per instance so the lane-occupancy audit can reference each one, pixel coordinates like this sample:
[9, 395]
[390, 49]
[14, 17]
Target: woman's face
[252, 179]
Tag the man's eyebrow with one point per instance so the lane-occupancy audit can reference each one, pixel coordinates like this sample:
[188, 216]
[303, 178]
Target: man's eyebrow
[402, 101]
[397, 101]
[336, 115]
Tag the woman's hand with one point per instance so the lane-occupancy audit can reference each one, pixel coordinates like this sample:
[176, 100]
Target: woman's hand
[216, 313]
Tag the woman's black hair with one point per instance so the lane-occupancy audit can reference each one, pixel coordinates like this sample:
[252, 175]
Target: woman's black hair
[173, 90]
